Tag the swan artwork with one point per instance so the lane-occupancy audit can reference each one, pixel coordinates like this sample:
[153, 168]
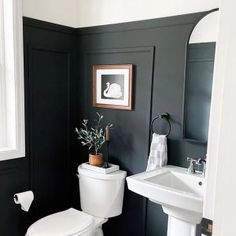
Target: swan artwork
[112, 90]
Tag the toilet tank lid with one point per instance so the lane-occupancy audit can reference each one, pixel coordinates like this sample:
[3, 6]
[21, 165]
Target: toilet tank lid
[62, 223]
[119, 174]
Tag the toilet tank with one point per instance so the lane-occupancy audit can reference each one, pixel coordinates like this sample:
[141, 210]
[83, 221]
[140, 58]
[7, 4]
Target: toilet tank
[101, 194]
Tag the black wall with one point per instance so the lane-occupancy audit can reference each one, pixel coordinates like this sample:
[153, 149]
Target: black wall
[49, 57]
[49, 54]
[158, 50]
[58, 92]
[198, 87]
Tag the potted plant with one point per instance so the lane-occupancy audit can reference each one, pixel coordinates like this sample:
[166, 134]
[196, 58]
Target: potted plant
[93, 137]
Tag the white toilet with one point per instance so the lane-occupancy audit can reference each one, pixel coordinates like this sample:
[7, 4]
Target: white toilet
[101, 197]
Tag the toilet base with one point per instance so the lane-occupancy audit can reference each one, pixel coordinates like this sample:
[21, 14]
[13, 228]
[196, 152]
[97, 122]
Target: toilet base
[98, 223]
[98, 232]
[93, 232]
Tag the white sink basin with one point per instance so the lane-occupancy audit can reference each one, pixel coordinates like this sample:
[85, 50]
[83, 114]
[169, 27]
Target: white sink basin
[179, 193]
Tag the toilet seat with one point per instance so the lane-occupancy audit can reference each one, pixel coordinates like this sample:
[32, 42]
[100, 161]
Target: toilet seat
[65, 223]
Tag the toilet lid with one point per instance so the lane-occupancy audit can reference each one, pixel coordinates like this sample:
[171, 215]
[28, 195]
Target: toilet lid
[62, 223]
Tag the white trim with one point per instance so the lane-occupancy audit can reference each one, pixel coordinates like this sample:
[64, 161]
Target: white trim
[214, 134]
[219, 204]
[15, 125]
[2, 82]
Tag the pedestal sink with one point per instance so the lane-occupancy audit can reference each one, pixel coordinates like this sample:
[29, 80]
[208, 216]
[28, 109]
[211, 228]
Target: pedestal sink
[179, 193]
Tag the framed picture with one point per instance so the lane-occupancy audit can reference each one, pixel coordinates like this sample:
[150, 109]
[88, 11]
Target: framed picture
[112, 86]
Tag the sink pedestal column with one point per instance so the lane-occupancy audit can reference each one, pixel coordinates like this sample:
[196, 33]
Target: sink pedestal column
[178, 227]
[181, 222]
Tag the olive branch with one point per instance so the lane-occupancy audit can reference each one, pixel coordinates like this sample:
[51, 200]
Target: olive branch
[93, 137]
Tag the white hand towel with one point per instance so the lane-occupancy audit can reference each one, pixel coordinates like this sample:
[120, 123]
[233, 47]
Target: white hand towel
[158, 152]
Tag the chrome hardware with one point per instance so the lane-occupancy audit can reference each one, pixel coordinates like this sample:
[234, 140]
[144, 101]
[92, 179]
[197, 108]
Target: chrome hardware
[191, 167]
[196, 162]
[202, 162]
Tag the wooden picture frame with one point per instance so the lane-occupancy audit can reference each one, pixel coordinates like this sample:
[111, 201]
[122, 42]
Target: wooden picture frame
[112, 86]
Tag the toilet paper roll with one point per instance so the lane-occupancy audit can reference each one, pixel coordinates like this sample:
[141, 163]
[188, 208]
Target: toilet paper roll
[24, 199]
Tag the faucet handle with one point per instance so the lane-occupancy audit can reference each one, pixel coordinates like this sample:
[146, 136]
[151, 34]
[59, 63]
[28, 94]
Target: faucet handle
[198, 164]
[191, 168]
[188, 159]
[202, 162]
[191, 160]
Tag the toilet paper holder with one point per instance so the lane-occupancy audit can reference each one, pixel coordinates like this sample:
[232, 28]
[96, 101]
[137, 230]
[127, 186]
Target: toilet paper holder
[24, 199]
[16, 197]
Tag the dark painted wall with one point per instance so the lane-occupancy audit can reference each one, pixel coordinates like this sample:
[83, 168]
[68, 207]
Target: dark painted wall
[49, 55]
[158, 50]
[58, 89]
[49, 69]
[198, 87]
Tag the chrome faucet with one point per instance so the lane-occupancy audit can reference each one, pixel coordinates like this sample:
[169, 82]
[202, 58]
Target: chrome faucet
[199, 162]
[202, 162]
[191, 167]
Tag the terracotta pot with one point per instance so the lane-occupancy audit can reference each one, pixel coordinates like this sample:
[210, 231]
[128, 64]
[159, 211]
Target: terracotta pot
[96, 160]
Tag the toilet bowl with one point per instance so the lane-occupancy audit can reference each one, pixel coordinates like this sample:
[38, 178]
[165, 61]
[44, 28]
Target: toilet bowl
[101, 197]
[70, 222]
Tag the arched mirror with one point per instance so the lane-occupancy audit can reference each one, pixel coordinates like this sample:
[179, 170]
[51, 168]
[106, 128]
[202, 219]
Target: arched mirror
[199, 78]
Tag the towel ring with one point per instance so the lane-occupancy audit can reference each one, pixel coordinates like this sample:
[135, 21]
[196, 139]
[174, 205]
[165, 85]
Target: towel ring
[165, 116]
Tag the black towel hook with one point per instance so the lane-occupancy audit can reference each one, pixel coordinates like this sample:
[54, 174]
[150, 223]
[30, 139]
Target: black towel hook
[165, 116]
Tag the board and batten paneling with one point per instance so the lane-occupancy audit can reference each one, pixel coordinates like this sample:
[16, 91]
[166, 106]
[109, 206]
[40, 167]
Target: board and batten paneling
[48, 62]
[58, 88]
[158, 87]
